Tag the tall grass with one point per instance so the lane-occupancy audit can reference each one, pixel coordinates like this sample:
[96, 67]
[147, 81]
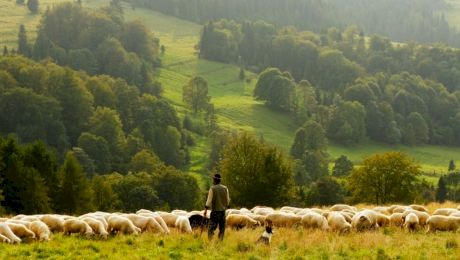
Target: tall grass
[388, 243]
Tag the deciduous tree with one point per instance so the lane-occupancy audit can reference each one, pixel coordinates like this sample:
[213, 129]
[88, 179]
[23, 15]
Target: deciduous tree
[385, 178]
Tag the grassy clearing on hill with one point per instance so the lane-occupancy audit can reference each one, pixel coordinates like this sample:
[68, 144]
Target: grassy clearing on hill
[233, 100]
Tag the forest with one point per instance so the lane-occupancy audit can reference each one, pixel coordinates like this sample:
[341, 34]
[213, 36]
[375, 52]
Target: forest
[83, 110]
[406, 20]
[404, 93]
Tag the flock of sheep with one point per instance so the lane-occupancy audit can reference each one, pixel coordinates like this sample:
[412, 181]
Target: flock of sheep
[339, 218]
[344, 218]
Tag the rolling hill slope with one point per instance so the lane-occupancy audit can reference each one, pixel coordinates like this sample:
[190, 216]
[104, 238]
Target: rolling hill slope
[235, 106]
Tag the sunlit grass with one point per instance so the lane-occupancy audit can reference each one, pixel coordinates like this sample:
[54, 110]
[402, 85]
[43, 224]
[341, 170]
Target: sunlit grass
[388, 243]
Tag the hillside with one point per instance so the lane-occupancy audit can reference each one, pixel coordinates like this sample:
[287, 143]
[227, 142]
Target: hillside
[235, 106]
[233, 100]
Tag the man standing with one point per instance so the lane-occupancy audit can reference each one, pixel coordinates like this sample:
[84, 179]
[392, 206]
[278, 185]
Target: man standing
[218, 200]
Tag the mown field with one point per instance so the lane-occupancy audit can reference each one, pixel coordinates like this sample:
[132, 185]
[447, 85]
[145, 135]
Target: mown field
[233, 100]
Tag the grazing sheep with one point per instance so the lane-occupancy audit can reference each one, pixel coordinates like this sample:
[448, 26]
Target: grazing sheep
[97, 227]
[54, 223]
[314, 220]
[245, 211]
[365, 220]
[444, 211]
[392, 207]
[290, 209]
[30, 218]
[419, 207]
[263, 211]
[15, 221]
[261, 218]
[382, 210]
[121, 224]
[422, 216]
[41, 230]
[179, 212]
[195, 212]
[238, 221]
[280, 219]
[145, 211]
[443, 223]
[6, 231]
[338, 223]
[383, 220]
[411, 222]
[19, 217]
[303, 212]
[169, 218]
[148, 224]
[161, 221]
[347, 215]
[316, 210]
[397, 219]
[340, 207]
[102, 220]
[4, 239]
[401, 209]
[233, 211]
[183, 224]
[74, 225]
[21, 231]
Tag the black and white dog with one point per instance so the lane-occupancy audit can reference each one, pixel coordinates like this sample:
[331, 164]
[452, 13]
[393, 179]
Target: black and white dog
[198, 221]
[266, 236]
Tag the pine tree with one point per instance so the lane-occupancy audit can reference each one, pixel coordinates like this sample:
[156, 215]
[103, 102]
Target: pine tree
[33, 6]
[441, 191]
[75, 193]
[23, 46]
[451, 166]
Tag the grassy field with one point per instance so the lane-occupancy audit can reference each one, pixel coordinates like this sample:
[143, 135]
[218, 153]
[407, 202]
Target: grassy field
[388, 243]
[287, 243]
[233, 101]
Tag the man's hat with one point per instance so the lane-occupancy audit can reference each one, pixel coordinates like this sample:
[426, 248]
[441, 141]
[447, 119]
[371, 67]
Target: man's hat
[217, 177]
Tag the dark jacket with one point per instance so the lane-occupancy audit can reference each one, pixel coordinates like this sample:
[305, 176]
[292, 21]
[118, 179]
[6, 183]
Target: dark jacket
[218, 198]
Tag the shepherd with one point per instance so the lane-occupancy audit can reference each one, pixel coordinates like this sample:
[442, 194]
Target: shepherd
[218, 200]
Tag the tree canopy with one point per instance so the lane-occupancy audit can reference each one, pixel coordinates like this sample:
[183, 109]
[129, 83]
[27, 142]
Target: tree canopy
[385, 178]
[255, 172]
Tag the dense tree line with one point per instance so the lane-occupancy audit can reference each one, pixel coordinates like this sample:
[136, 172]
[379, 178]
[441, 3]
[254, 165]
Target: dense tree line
[406, 20]
[256, 172]
[354, 90]
[107, 118]
[97, 42]
[331, 59]
[32, 181]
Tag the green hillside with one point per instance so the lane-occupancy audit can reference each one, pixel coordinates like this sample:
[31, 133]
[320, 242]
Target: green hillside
[233, 100]
[235, 106]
